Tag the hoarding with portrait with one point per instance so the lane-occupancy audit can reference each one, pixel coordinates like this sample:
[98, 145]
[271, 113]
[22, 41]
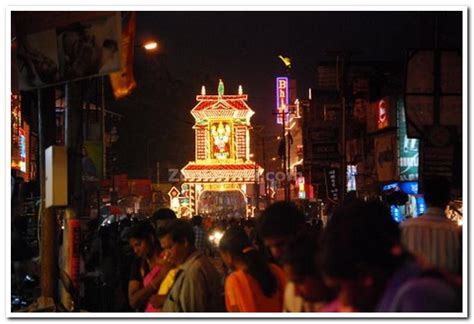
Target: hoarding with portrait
[76, 50]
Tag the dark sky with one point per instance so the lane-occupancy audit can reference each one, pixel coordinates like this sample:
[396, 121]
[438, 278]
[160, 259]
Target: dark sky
[241, 48]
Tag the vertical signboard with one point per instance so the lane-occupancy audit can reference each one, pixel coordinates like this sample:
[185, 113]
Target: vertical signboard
[92, 160]
[331, 178]
[301, 188]
[22, 151]
[281, 99]
[74, 249]
[26, 152]
[438, 151]
[384, 148]
[408, 149]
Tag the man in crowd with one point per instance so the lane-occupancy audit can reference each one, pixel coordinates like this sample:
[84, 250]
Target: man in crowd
[197, 285]
[162, 217]
[433, 236]
[277, 226]
[200, 237]
[302, 266]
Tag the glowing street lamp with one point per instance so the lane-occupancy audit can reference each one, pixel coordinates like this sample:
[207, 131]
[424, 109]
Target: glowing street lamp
[150, 46]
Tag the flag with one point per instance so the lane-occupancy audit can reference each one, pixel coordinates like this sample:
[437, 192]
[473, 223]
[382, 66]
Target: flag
[123, 82]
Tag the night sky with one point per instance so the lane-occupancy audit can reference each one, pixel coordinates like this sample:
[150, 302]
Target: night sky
[198, 48]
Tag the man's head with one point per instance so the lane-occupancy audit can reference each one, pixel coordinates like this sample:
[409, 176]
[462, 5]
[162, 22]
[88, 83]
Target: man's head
[360, 249]
[163, 216]
[437, 191]
[301, 264]
[177, 239]
[196, 220]
[278, 224]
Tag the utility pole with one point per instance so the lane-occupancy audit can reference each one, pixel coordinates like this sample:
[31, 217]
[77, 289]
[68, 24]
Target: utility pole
[264, 171]
[290, 142]
[283, 138]
[48, 248]
[341, 83]
[257, 132]
[74, 144]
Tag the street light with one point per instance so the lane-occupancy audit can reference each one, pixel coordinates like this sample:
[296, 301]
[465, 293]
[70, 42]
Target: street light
[150, 46]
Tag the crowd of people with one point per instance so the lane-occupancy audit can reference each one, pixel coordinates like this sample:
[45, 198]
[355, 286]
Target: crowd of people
[361, 261]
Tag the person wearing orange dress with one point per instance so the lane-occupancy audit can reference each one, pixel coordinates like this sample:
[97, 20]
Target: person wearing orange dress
[254, 285]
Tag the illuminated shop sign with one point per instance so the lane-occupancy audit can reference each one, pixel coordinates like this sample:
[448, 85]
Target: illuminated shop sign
[408, 187]
[22, 150]
[281, 98]
[301, 188]
[408, 149]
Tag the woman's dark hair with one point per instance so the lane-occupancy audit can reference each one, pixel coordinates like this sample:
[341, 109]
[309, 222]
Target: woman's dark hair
[236, 242]
[144, 231]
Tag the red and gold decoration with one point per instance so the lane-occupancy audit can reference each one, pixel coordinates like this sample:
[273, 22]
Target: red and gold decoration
[223, 161]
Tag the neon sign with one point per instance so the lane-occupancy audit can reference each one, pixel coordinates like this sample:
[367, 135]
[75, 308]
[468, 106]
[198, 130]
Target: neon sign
[281, 98]
[22, 151]
[301, 188]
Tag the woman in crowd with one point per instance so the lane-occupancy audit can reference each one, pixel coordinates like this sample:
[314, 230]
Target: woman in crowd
[148, 269]
[254, 285]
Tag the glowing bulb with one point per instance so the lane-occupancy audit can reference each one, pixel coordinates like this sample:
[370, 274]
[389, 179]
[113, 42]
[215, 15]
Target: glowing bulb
[150, 46]
[203, 90]
[241, 91]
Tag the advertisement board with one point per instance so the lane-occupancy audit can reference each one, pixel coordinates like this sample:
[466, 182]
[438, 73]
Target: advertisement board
[424, 69]
[331, 178]
[408, 149]
[79, 50]
[384, 147]
[92, 161]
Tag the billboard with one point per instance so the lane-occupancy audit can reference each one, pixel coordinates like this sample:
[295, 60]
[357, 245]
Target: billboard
[384, 147]
[92, 161]
[75, 51]
[408, 149]
[282, 98]
[420, 92]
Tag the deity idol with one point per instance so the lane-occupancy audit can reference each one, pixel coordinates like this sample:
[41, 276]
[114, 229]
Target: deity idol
[221, 136]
